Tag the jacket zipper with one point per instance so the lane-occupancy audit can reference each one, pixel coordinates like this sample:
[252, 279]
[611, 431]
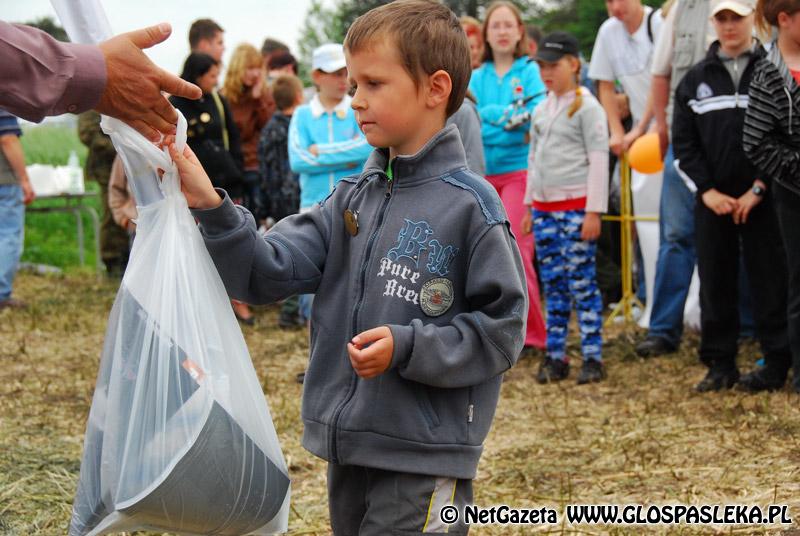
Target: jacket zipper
[363, 277]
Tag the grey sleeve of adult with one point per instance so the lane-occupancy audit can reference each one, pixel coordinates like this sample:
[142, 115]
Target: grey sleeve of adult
[43, 76]
[262, 269]
[468, 122]
[479, 344]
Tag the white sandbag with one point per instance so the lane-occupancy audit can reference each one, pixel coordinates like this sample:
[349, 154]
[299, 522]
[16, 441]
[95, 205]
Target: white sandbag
[179, 436]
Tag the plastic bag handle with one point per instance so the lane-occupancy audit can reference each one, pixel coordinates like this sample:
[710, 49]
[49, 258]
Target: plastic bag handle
[128, 141]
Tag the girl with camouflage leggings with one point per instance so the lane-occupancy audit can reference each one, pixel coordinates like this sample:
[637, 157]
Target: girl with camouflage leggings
[568, 190]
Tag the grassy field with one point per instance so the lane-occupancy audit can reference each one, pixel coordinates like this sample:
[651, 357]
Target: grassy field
[642, 436]
[51, 238]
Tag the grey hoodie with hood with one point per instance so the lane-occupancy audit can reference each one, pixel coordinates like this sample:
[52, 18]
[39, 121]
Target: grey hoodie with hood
[433, 259]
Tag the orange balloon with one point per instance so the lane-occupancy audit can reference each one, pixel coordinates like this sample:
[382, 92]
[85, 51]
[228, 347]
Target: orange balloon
[645, 154]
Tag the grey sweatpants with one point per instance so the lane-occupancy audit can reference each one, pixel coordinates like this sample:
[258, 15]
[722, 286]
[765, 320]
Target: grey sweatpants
[374, 502]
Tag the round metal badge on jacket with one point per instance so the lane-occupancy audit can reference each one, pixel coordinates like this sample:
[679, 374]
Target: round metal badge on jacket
[436, 296]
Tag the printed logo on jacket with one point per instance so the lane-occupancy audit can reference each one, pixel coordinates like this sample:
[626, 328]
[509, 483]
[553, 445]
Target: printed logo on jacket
[417, 251]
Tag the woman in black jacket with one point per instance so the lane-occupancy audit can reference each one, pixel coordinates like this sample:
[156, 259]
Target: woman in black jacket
[733, 217]
[213, 137]
[771, 139]
[212, 133]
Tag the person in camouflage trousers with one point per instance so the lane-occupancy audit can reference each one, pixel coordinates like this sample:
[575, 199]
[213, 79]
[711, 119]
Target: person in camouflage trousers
[567, 268]
[113, 239]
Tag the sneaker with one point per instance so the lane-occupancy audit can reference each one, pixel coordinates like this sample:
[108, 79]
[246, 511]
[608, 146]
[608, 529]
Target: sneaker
[592, 371]
[718, 379]
[11, 303]
[653, 346]
[530, 352]
[290, 321]
[552, 370]
[762, 379]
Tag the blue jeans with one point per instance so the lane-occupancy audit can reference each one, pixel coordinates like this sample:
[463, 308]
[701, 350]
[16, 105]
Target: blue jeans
[676, 255]
[12, 229]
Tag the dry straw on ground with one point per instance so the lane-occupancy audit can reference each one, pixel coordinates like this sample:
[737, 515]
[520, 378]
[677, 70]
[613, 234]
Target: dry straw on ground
[642, 436]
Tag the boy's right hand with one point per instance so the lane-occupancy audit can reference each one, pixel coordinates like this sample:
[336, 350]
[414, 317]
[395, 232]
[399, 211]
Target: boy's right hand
[195, 184]
[718, 202]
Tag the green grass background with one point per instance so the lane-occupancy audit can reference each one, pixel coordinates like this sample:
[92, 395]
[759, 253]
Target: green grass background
[51, 238]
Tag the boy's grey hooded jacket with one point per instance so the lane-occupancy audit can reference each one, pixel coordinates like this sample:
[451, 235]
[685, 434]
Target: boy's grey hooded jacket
[434, 260]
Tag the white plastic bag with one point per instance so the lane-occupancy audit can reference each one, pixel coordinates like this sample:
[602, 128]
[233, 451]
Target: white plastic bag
[179, 436]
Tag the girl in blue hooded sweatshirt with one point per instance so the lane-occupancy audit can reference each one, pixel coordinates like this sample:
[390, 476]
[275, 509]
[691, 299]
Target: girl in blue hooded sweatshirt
[508, 87]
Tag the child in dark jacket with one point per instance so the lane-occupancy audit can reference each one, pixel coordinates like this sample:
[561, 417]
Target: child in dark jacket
[772, 141]
[412, 328]
[280, 186]
[710, 104]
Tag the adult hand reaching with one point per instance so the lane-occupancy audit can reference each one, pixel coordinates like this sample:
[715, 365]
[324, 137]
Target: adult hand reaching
[134, 86]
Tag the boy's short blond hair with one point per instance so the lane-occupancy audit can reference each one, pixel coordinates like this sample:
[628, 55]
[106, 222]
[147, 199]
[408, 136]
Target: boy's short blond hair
[428, 36]
[285, 90]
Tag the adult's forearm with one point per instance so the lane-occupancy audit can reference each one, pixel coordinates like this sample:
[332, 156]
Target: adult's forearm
[659, 90]
[647, 115]
[12, 149]
[607, 99]
[42, 76]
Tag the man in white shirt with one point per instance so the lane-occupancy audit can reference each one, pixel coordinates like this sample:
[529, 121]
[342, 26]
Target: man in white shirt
[623, 52]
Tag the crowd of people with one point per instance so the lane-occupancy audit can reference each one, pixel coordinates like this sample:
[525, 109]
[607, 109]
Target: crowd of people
[278, 148]
[437, 173]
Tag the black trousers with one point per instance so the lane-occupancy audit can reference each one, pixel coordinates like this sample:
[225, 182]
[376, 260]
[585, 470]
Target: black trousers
[719, 242]
[787, 205]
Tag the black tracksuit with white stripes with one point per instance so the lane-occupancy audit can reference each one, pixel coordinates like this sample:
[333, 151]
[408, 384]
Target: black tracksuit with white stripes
[771, 139]
[707, 141]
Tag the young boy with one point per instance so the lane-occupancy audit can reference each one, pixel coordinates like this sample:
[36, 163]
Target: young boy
[325, 144]
[420, 290]
[710, 105]
[281, 187]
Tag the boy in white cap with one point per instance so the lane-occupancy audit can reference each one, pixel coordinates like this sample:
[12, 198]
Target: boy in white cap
[325, 143]
[732, 208]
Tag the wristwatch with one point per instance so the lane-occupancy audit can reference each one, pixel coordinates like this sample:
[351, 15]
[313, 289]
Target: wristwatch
[758, 190]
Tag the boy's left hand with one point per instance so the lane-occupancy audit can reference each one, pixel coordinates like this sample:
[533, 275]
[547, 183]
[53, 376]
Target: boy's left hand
[590, 230]
[376, 357]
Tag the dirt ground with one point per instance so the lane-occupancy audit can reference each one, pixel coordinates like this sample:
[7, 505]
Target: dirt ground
[642, 436]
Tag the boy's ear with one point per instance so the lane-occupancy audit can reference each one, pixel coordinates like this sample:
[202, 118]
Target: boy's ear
[440, 85]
